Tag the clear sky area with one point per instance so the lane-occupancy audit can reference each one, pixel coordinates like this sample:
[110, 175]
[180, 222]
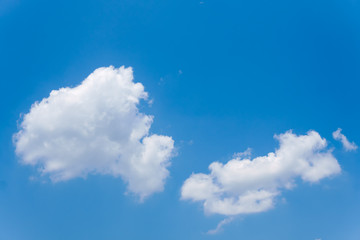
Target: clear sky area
[127, 119]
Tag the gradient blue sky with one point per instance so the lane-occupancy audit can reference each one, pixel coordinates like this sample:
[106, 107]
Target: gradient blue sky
[224, 76]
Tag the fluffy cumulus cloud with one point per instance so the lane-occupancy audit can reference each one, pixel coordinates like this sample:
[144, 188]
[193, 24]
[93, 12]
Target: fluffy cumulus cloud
[348, 146]
[96, 128]
[244, 185]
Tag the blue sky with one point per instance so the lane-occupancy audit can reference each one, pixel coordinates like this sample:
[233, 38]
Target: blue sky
[220, 76]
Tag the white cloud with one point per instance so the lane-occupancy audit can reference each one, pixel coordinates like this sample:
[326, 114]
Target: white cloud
[349, 146]
[96, 128]
[244, 185]
[246, 153]
[220, 226]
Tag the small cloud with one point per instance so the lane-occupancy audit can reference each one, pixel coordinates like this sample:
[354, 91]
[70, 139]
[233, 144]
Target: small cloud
[161, 81]
[220, 226]
[180, 72]
[348, 146]
[246, 153]
[202, 3]
[150, 102]
[32, 178]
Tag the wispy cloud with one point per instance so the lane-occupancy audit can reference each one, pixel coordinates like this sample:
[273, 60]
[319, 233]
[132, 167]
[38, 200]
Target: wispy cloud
[220, 226]
[348, 146]
[246, 153]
